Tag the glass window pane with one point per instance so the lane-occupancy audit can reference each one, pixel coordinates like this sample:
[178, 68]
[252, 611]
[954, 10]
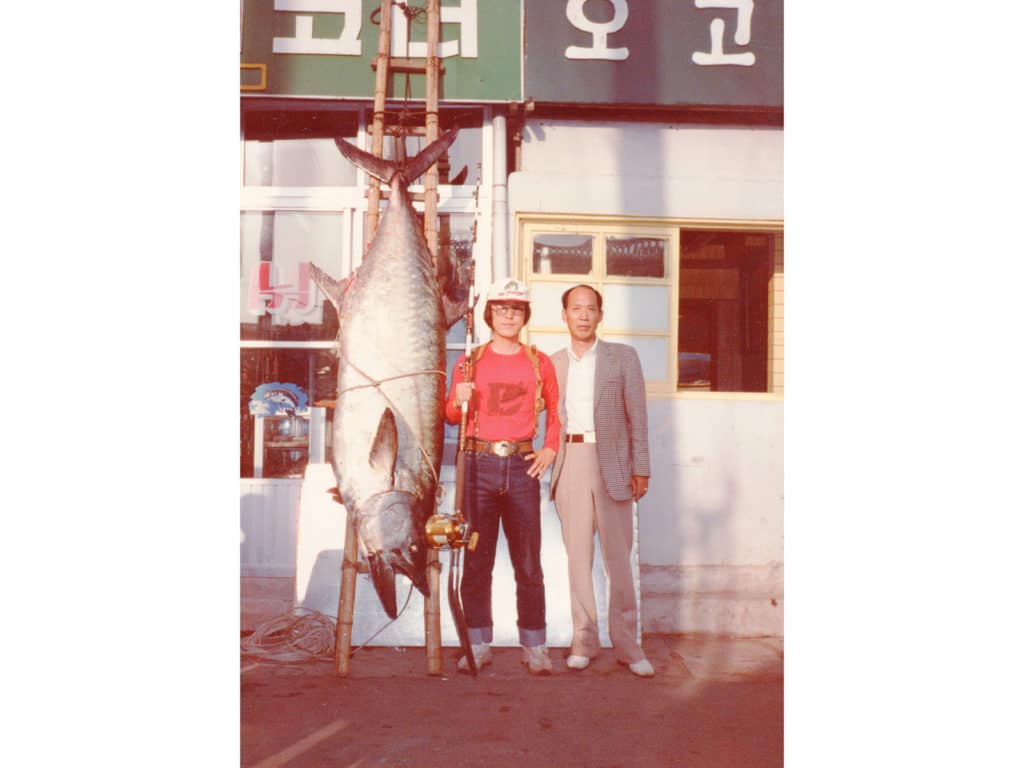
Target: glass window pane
[637, 307]
[561, 254]
[286, 152]
[286, 439]
[636, 256]
[653, 354]
[723, 310]
[279, 299]
[296, 163]
[548, 342]
[546, 304]
[456, 243]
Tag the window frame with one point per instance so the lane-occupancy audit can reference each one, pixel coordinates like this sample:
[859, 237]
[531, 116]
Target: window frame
[350, 202]
[527, 225]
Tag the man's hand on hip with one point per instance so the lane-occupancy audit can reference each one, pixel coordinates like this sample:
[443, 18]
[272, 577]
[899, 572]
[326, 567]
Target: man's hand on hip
[542, 459]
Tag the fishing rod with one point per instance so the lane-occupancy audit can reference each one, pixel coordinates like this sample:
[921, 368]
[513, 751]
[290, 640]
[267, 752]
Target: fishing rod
[453, 531]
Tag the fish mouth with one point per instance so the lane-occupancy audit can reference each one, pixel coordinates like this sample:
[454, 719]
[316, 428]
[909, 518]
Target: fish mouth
[393, 544]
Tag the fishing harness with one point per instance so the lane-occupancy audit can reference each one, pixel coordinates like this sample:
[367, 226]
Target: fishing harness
[534, 358]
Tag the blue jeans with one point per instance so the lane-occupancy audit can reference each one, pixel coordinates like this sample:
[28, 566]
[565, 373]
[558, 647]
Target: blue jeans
[499, 490]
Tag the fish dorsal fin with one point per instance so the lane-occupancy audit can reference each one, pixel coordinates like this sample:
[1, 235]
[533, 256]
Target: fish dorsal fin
[384, 449]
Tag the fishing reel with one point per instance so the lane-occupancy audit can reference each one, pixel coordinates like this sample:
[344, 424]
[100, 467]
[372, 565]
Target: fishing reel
[448, 531]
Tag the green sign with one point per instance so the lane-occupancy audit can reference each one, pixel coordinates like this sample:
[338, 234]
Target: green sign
[326, 48]
[662, 52]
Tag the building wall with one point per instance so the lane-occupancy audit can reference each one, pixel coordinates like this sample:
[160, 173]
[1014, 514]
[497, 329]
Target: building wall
[636, 169]
[711, 527]
[269, 513]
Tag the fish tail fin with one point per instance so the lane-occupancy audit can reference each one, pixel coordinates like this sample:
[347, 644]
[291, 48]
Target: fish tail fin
[418, 165]
[377, 167]
[385, 170]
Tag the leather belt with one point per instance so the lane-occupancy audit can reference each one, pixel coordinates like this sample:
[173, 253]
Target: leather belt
[582, 437]
[499, 447]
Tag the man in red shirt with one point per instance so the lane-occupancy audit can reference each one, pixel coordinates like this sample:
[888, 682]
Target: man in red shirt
[511, 385]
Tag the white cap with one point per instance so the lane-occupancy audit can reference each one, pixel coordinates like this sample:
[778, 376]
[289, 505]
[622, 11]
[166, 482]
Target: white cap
[508, 290]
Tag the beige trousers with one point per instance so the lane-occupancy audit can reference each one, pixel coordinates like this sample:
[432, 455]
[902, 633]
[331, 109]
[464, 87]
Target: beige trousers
[584, 506]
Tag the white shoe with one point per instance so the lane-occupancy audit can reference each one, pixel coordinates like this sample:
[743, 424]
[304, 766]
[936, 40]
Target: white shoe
[577, 662]
[642, 668]
[535, 657]
[481, 655]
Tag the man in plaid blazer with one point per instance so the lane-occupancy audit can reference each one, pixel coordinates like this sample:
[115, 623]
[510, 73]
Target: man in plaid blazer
[602, 466]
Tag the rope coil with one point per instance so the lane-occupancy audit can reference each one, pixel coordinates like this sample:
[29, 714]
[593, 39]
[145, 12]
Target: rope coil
[291, 639]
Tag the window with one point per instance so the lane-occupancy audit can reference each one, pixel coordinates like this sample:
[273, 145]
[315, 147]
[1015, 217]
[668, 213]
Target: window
[725, 287]
[701, 305]
[632, 270]
[301, 204]
[287, 332]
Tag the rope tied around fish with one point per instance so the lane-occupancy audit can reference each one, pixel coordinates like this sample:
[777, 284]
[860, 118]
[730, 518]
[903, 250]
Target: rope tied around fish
[375, 383]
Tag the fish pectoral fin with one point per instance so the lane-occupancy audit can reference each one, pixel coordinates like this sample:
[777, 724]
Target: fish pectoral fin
[384, 449]
[383, 578]
[333, 289]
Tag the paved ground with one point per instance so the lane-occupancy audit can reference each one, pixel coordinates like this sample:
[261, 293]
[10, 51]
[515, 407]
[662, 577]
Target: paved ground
[713, 702]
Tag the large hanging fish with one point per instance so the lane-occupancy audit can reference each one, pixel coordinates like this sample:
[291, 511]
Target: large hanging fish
[393, 313]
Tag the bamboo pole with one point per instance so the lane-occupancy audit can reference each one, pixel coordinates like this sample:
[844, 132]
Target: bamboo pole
[430, 197]
[347, 592]
[432, 604]
[379, 102]
[346, 599]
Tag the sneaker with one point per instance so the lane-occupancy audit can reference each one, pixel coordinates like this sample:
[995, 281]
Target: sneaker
[642, 668]
[535, 657]
[577, 662]
[481, 655]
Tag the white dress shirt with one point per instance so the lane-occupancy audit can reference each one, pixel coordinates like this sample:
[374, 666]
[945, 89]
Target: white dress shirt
[579, 391]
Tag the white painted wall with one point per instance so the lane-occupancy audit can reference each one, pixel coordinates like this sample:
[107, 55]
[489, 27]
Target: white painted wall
[716, 494]
[711, 526]
[649, 170]
[269, 514]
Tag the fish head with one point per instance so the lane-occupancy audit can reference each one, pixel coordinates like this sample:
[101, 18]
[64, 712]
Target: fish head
[393, 542]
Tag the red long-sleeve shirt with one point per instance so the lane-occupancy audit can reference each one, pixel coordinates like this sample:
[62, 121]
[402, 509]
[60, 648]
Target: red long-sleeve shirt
[503, 403]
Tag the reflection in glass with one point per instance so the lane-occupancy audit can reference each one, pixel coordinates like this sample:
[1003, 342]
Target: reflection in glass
[296, 163]
[559, 254]
[280, 153]
[636, 256]
[315, 371]
[723, 333]
[279, 299]
[456, 236]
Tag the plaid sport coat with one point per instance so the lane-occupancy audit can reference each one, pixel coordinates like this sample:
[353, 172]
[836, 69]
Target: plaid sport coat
[620, 417]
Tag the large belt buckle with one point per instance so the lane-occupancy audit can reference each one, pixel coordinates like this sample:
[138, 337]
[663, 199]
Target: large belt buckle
[504, 448]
